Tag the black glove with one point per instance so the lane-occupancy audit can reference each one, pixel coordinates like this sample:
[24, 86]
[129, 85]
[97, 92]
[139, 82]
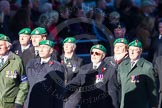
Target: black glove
[18, 105]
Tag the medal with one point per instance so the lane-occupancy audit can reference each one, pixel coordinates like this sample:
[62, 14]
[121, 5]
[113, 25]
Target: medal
[99, 78]
[11, 74]
[134, 79]
[74, 68]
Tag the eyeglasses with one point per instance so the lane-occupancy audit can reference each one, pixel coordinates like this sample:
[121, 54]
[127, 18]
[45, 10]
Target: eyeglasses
[96, 53]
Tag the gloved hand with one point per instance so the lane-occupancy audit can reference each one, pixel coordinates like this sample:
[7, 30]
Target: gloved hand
[18, 106]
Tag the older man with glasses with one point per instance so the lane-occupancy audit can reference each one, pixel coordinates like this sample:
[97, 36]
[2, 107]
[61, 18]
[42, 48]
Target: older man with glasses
[137, 80]
[97, 81]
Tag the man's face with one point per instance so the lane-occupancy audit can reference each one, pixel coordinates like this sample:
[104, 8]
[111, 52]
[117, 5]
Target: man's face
[36, 39]
[134, 52]
[24, 39]
[69, 47]
[119, 32]
[45, 51]
[3, 48]
[97, 56]
[120, 48]
[160, 27]
[102, 4]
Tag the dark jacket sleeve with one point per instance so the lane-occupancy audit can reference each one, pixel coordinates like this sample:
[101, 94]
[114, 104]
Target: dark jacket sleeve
[73, 85]
[114, 90]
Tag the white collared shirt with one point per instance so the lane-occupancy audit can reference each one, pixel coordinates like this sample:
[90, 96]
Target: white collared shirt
[135, 62]
[25, 48]
[5, 57]
[45, 60]
[96, 65]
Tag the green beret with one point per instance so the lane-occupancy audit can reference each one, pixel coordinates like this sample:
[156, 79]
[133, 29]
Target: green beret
[100, 47]
[4, 38]
[69, 40]
[136, 43]
[147, 3]
[121, 40]
[47, 42]
[39, 31]
[25, 31]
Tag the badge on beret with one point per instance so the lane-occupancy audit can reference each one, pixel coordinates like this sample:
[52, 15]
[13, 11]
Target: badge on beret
[97, 46]
[136, 43]
[48, 42]
[69, 40]
[36, 32]
[122, 40]
[26, 31]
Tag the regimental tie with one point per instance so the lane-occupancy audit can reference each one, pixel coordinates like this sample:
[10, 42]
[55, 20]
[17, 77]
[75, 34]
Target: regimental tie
[94, 67]
[1, 62]
[132, 64]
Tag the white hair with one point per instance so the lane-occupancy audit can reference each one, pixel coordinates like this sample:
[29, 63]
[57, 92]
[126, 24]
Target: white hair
[8, 44]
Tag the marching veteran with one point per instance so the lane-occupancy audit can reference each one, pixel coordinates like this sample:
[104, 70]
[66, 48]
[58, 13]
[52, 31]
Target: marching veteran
[24, 42]
[72, 63]
[97, 81]
[137, 80]
[37, 35]
[45, 76]
[120, 52]
[13, 81]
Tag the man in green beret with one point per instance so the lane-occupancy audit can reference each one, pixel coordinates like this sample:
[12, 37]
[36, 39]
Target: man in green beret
[72, 64]
[97, 81]
[37, 35]
[24, 41]
[136, 76]
[120, 52]
[43, 74]
[13, 80]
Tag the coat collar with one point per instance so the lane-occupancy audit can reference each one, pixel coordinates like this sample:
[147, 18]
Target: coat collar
[11, 56]
[140, 62]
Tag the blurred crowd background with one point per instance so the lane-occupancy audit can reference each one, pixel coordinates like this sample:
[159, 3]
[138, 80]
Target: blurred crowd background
[89, 21]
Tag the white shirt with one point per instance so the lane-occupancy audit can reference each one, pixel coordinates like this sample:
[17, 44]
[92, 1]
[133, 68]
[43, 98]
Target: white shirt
[135, 62]
[45, 60]
[95, 66]
[24, 48]
[5, 57]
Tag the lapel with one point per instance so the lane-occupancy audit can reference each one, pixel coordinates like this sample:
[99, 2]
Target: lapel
[19, 50]
[32, 51]
[100, 68]
[89, 68]
[139, 63]
[10, 57]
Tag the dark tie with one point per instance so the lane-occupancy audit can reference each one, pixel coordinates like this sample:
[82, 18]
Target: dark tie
[132, 64]
[94, 67]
